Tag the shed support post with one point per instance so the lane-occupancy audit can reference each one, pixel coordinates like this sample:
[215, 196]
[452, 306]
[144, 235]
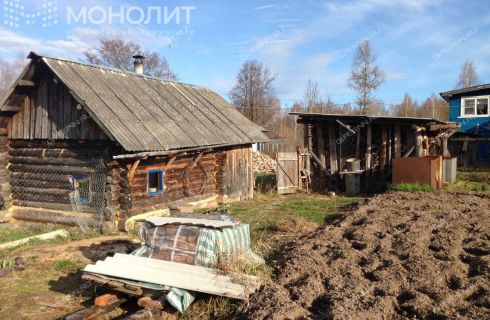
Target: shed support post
[332, 148]
[417, 132]
[382, 156]
[369, 134]
[398, 149]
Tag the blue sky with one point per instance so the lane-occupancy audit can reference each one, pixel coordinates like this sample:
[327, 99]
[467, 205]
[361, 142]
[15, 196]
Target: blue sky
[420, 44]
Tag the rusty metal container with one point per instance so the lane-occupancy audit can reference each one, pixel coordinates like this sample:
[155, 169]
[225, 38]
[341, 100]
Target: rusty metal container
[421, 170]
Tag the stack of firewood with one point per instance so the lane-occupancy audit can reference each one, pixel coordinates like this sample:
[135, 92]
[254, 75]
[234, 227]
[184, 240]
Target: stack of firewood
[263, 163]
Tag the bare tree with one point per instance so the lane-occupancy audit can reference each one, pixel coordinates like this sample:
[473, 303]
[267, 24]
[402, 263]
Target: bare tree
[9, 71]
[253, 94]
[467, 76]
[366, 76]
[407, 108]
[118, 53]
[312, 95]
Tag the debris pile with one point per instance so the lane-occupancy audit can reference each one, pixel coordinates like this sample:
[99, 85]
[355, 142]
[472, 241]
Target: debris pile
[178, 258]
[399, 256]
[263, 163]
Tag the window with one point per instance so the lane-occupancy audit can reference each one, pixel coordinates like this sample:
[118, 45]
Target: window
[155, 182]
[475, 107]
[481, 107]
[82, 188]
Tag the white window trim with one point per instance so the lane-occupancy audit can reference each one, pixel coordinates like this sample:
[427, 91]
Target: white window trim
[461, 108]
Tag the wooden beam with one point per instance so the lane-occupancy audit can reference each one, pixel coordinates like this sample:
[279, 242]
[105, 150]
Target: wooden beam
[196, 160]
[318, 161]
[345, 126]
[409, 151]
[133, 168]
[26, 83]
[7, 108]
[169, 163]
[332, 148]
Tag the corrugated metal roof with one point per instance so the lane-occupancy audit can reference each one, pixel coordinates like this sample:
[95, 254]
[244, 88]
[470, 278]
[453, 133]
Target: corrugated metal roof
[144, 113]
[178, 275]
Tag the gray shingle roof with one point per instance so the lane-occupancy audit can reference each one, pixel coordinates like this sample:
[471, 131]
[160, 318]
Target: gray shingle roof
[144, 113]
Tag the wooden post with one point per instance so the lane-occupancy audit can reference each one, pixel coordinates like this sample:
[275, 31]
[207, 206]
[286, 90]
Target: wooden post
[369, 134]
[445, 151]
[390, 146]
[417, 132]
[321, 143]
[398, 145]
[382, 156]
[332, 148]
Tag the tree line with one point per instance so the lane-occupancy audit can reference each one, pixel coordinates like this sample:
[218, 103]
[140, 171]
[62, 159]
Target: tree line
[254, 95]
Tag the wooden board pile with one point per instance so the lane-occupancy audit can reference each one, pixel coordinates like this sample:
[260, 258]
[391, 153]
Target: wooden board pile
[262, 163]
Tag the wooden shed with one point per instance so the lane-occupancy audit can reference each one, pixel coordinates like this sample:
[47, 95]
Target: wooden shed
[87, 144]
[348, 146]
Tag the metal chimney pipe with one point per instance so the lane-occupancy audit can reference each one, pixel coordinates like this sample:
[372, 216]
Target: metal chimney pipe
[138, 64]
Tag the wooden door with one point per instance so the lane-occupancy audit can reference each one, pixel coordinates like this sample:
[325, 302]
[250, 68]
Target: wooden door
[287, 173]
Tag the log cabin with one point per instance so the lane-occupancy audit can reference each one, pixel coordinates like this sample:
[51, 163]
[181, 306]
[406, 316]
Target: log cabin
[88, 144]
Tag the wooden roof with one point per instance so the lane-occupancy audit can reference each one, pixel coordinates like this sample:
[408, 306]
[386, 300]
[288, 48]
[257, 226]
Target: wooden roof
[144, 113]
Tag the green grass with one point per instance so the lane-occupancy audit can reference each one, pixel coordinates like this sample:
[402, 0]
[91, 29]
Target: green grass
[472, 179]
[66, 265]
[265, 210]
[410, 187]
[12, 233]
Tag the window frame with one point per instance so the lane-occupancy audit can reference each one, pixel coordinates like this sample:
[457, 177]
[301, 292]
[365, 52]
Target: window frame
[475, 99]
[160, 181]
[75, 187]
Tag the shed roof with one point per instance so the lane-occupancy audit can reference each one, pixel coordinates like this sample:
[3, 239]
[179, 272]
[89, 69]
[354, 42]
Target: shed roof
[144, 113]
[447, 94]
[371, 119]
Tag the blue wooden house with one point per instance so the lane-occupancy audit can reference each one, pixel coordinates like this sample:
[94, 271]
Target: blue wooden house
[470, 108]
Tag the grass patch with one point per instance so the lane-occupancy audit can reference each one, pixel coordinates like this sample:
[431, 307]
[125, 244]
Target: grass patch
[410, 187]
[65, 265]
[265, 210]
[11, 233]
[472, 179]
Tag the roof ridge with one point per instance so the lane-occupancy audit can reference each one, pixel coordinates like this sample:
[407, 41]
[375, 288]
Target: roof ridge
[117, 70]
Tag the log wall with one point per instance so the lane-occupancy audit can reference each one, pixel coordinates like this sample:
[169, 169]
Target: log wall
[179, 182]
[42, 174]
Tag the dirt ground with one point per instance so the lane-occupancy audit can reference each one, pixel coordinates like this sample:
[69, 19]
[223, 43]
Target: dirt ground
[44, 291]
[397, 256]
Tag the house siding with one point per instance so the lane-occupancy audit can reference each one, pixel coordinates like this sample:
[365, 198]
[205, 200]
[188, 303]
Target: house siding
[476, 125]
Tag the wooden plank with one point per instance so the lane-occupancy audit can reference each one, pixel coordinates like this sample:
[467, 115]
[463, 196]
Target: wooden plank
[68, 106]
[26, 83]
[369, 133]
[39, 110]
[46, 125]
[53, 108]
[32, 125]
[389, 146]
[382, 150]
[332, 149]
[321, 145]
[27, 117]
[318, 161]
[398, 144]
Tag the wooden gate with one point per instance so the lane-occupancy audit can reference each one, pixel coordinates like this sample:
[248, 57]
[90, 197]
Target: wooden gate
[287, 173]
